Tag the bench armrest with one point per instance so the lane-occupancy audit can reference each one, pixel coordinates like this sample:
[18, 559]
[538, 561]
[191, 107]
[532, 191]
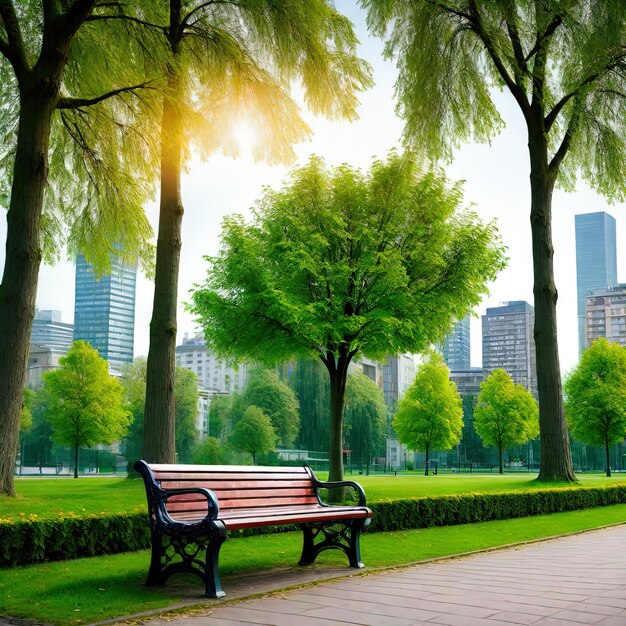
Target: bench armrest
[318, 484]
[213, 506]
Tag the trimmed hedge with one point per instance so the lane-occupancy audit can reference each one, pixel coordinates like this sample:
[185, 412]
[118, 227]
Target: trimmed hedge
[32, 540]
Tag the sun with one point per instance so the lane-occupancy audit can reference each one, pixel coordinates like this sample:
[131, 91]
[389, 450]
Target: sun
[245, 137]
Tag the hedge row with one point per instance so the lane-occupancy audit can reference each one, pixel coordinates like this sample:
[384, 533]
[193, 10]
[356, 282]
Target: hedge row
[32, 540]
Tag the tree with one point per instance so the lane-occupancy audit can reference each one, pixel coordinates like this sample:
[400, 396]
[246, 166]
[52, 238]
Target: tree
[506, 414]
[87, 404]
[309, 382]
[69, 98]
[253, 433]
[242, 57]
[275, 399]
[340, 263]
[563, 63]
[210, 451]
[185, 403]
[430, 415]
[219, 415]
[596, 396]
[365, 414]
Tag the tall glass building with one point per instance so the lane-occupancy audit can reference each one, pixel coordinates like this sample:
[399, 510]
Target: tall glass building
[596, 262]
[455, 349]
[48, 331]
[104, 310]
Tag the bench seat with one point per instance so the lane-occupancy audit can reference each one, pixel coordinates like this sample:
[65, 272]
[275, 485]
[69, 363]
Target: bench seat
[192, 507]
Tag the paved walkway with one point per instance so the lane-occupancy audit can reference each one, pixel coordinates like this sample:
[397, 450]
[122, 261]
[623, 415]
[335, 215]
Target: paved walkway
[566, 582]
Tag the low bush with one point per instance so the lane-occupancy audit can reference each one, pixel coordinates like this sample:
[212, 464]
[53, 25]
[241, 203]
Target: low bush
[30, 540]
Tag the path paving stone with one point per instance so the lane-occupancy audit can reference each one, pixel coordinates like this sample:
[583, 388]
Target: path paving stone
[573, 581]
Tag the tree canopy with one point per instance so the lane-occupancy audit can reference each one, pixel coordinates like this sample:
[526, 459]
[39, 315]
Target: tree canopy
[564, 65]
[253, 433]
[86, 402]
[506, 414]
[596, 396]
[341, 262]
[430, 415]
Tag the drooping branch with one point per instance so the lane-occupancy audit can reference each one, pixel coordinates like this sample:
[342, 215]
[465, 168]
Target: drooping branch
[128, 18]
[186, 20]
[77, 103]
[13, 47]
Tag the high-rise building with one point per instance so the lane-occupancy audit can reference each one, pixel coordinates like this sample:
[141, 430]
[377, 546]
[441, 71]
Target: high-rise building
[596, 262]
[508, 342]
[467, 382]
[214, 373]
[455, 348]
[49, 331]
[606, 315]
[104, 310]
[398, 375]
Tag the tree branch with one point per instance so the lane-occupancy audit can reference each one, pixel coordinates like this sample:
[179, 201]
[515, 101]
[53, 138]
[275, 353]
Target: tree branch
[77, 103]
[13, 47]
[185, 21]
[77, 14]
[129, 18]
[516, 43]
[559, 155]
[541, 37]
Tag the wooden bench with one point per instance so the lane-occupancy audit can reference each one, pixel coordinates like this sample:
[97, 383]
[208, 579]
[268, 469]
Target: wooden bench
[192, 507]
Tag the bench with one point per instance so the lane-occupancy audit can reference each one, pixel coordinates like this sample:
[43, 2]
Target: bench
[192, 507]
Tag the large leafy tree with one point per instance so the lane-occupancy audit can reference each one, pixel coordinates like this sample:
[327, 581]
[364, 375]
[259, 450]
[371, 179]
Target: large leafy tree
[253, 433]
[564, 63]
[86, 402]
[72, 89]
[185, 403]
[506, 413]
[430, 415]
[228, 59]
[365, 415]
[276, 399]
[596, 396]
[341, 262]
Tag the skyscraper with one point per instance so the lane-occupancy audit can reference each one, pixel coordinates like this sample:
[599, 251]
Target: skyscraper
[104, 310]
[606, 315]
[508, 342]
[455, 349]
[596, 261]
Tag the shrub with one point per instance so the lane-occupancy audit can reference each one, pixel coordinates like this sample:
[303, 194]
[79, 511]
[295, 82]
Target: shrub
[32, 540]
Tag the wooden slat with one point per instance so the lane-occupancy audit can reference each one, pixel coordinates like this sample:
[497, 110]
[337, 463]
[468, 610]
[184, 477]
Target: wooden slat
[224, 486]
[217, 469]
[191, 477]
[238, 494]
[226, 505]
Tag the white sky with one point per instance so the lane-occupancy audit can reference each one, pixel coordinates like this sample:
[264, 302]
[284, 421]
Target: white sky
[496, 181]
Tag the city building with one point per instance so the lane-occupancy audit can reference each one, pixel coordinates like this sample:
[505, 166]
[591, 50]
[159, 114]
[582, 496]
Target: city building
[214, 373]
[467, 381]
[508, 342]
[398, 375]
[596, 262]
[104, 310]
[606, 315]
[455, 348]
[49, 331]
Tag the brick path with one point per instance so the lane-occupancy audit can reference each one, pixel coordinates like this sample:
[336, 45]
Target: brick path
[567, 582]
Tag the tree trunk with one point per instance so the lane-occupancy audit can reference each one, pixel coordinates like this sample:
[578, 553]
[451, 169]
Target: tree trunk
[338, 372]
[556, 458]
[76, 462]
[426, 467]
[501, 470]
[608, 459]
[254, 458]
[18, 290]
[159, 416]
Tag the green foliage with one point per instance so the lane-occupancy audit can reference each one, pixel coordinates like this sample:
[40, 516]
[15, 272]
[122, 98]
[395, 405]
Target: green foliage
[567, 58]
[253, 433]
[211, 451]
[506, 414]
[430, 415]
[596, 395]
[185, 404]
[86, 404]
[365, 415]
[471, 508]
[26, 416]
[219, 415]
[276, 399]
[309, 382]
[379, 263]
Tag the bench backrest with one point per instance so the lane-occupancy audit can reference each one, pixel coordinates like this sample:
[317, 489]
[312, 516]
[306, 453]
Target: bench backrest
[236, 486]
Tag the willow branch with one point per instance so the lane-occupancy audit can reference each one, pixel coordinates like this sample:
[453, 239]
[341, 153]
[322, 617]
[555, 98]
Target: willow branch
[77, 103]
[128, 18]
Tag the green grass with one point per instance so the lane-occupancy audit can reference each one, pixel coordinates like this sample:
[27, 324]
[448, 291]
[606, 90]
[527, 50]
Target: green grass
[48, 497]
[88, 590]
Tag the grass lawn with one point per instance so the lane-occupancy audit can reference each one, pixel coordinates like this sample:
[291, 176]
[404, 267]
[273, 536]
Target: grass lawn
[89, 590]
[48, 497]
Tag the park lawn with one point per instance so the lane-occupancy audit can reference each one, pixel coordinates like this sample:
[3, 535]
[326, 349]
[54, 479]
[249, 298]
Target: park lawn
[50, 497]
[87, 590]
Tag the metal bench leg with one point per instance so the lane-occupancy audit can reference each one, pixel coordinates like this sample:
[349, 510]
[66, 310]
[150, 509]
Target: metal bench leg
[154, 573]
[212, 573]
[308, 546]
[344, 535]
[354, 550]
